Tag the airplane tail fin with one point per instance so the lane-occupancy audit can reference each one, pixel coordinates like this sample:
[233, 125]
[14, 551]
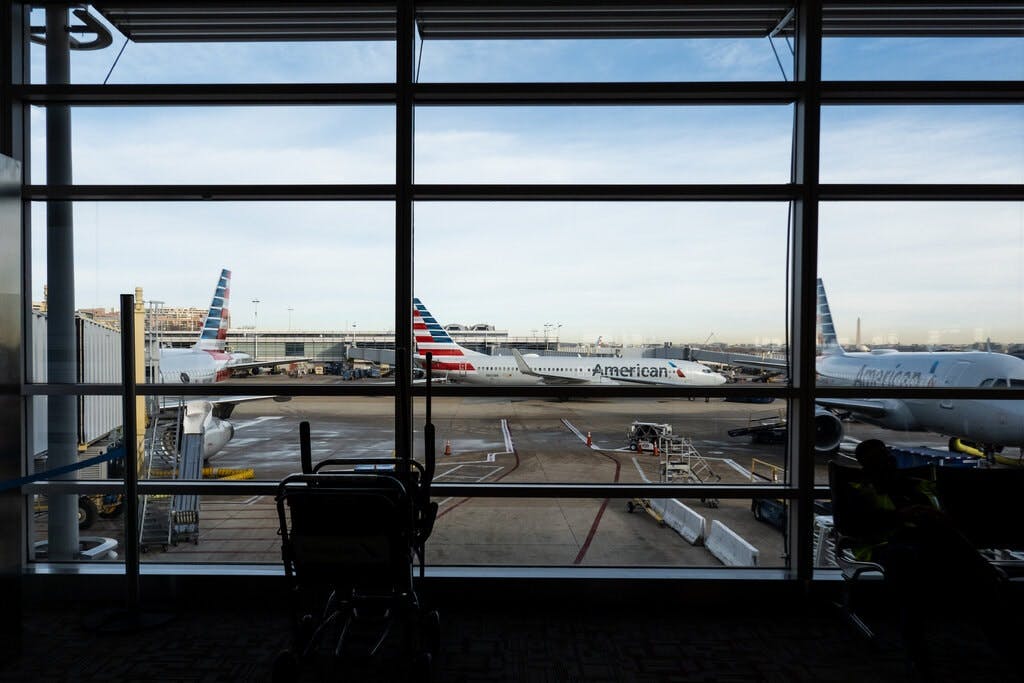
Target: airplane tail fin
[827, 340]
[214, 334]
[430, 336]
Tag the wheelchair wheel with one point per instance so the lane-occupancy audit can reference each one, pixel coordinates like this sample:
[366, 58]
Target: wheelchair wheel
[430, 632]
[286, 668]
[422, 667]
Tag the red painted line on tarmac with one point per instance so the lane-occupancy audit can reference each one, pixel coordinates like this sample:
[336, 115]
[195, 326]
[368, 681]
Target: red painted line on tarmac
[600, 513]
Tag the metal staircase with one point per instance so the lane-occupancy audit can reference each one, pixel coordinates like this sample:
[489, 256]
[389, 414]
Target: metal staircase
[161, 462]
[169, 519]
[679, 458]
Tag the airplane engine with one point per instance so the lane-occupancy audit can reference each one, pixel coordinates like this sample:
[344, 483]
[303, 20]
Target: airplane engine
[828, 430]
[217, 434]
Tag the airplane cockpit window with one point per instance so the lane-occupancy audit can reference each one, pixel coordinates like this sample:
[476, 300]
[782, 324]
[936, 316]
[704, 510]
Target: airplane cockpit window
[999, 383]
[1017, 383]
[986, 382]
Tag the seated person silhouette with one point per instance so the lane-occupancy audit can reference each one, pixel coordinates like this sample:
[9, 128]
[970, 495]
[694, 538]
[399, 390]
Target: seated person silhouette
[928, 562]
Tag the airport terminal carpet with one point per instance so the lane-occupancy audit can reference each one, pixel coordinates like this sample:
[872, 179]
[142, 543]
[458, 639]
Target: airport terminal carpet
[810, 644]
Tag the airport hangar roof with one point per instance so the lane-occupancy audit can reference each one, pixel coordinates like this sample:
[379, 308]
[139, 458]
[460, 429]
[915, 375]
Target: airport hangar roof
[261, 20]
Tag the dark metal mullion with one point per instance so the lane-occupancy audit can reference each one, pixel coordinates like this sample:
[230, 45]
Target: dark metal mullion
[443, 390]
[405, 31]
[959, 192]
[606, 192]
[227, 94]
[803, 307]
[529, 192]
[206, 487]
[860, 93]
[643, 93]
[523, 94]
[282, 192]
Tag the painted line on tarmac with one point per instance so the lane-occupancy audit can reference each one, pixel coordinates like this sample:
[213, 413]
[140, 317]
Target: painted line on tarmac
[510, 445]
[739, 468]
[636, 463]
[582, 437]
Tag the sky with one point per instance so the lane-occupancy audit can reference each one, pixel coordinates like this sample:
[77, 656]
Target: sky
[685, 272]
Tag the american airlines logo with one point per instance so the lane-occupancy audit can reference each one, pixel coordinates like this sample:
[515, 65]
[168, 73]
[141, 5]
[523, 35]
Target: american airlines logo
[877, 377]
[633, 371]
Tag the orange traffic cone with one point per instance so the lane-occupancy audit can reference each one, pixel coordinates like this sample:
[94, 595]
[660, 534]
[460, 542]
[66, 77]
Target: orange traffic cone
[447, 447]
[589, 440]
[639, 447]
[655, 450]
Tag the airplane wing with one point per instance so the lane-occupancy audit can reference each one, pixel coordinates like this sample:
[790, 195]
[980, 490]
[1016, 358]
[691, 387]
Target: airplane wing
[547, 377]
[222, 405]
[758, 364]
[874, 408]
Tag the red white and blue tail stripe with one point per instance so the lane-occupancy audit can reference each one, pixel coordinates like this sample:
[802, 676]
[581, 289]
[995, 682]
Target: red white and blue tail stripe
[214, 334]
[430, 336]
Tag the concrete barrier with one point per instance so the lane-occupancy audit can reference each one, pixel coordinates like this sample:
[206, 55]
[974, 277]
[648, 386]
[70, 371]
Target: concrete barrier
[680, 519]
[729, 547]
[686, 522]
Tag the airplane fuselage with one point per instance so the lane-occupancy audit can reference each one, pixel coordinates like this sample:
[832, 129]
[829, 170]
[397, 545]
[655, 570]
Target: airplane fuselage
[999, 423]
[502, 370]
[197, 366]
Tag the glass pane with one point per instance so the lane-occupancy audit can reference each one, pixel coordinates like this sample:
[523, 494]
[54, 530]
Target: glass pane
[100, 528]
[603, 144]
[226, 145]
[920, 59]
[606, 533]
[282, 290]
[520, 532]
[898, 144]
[705, 59]
[609, 278]
[914, 300]
[226, 62]
[703, 441]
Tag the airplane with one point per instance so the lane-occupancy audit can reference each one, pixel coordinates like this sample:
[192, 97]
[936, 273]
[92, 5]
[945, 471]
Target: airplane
[472, 367]
[207, 360]
[975, 426]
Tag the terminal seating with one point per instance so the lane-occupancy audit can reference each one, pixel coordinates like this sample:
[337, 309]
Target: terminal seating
[981, 503]
[852, 530]
[985, 506]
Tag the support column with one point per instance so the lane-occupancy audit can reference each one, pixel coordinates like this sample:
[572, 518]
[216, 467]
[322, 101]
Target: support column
[62, 368]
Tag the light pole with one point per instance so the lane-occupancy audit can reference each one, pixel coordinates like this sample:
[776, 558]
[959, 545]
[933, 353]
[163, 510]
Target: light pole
[255, 328]
[290, 309]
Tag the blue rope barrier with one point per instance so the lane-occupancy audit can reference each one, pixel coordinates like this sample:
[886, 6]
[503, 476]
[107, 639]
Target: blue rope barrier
[112, 454]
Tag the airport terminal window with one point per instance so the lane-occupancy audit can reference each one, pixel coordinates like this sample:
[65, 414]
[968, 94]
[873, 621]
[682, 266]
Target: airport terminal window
[569, 60]
[923, 58]
[922, 144]
[626, 225]
[258, 61]
[257, 145]
[668, 144]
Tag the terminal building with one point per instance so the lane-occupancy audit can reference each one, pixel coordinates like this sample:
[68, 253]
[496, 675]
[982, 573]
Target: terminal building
[308, 138]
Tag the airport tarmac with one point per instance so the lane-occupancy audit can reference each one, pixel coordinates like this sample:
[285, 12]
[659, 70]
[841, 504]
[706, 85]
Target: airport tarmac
[511, 441]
